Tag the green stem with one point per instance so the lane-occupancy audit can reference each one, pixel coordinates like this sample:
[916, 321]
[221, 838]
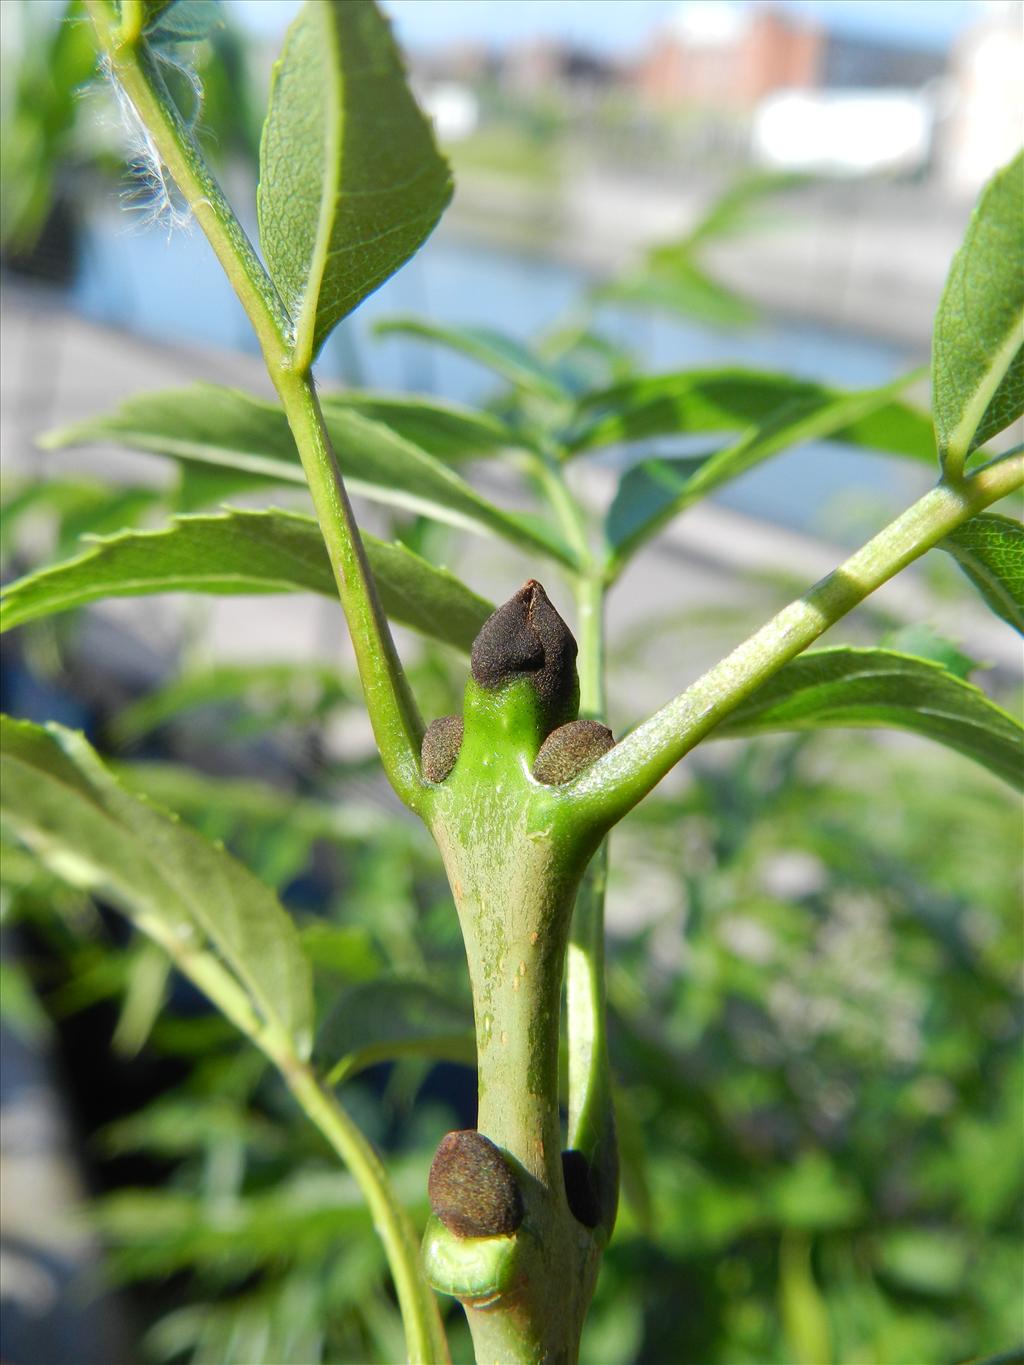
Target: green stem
[591, 1127]
[425, 1339]
[590, 598]
[547, 468]
[622, 777]
[133, 19]
[392, 710]
[397, 727]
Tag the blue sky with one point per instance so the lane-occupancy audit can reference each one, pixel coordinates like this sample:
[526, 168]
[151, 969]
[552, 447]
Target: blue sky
[626, 26]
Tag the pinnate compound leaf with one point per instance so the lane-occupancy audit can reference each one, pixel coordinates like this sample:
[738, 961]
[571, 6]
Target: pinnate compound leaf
[351, 183]
[184, 892]
[242, 552]
[655, 491]
[510, 359]
[696, 401]
[381, 1020]
[990, 550]
[978, 343]
[879, 688]
[229, 430]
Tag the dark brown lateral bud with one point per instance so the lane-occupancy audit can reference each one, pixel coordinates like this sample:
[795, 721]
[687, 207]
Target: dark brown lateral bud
[527, 638]
[581, 1189]
[440, 747]
[569, 749]
[472, 1188]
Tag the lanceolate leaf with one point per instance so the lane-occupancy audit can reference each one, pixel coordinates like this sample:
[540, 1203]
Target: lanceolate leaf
[351, 183]
[494, 350]
[693, 401]
[445, 430]
[380, 1020]
[871, 688]
[58, 797]
[657, 490]
[645, 499]
[231, 429]
[245, 552]
[977, 356]
[680, 286]
[202, 424]
[227, 429]
[990, 550]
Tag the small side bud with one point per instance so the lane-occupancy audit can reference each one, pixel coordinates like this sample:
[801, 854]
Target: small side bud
[569, 749]
[440, 747]
[472, 1188]
[527, 638]
[581, 1189]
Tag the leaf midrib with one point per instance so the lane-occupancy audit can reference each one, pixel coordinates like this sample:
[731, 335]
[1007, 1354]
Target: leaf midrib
[305, 324]
[959, 445]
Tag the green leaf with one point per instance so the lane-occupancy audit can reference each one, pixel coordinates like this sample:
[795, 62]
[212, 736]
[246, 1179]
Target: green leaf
[180, 21]
[922, 642]
[175, 1126]
[380, 1020]
[735, 210]
[693, 401]
[645, 497]
[145, 990]
[584, 358]
[990, 550]
[654, 492]
[88, 830]
[240, 552]
[878, 688]
[977, 356]
[233, 807]
[445, 430]
[155, 1232]
[228, 429]
[680, 286]
[20, 1009]
[802, 1306]
[507, 357]
[343, 950]
[78, 508]
[351, 183]
[274, 693]
[202, 424]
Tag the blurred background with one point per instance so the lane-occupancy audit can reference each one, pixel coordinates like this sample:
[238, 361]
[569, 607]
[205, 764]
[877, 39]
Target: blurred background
[815, 942]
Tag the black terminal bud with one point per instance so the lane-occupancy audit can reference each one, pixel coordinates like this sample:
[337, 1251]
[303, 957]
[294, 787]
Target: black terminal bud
[527, 638]
[472, 1188]
[581, 1189]
[569, 749]
[440, 747]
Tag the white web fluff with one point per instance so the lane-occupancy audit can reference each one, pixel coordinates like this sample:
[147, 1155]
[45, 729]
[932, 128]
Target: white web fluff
[153, 195]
